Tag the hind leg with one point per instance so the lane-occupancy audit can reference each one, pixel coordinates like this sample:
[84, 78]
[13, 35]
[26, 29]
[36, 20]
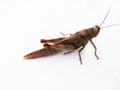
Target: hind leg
[51, 40]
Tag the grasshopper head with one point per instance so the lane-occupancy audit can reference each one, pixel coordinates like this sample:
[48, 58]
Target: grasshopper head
[96, 29]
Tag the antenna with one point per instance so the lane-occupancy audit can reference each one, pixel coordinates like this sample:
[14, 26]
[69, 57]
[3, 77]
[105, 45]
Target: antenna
[105, 16]
[110, 25]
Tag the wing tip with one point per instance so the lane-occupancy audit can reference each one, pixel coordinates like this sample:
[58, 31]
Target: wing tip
[41, 53]
[26, 57]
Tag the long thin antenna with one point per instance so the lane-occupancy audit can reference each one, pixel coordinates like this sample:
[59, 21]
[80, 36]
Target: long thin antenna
[105, 16]
[110, 25]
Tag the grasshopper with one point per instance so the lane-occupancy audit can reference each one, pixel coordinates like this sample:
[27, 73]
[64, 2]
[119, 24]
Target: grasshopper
[73, 42]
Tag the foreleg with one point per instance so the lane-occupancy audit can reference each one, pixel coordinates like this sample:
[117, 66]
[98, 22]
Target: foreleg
[95, 49]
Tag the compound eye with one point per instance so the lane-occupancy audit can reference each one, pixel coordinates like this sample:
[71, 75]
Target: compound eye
[97, 28]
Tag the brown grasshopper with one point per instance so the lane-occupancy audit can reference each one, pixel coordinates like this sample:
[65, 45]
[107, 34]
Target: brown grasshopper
[69, 44]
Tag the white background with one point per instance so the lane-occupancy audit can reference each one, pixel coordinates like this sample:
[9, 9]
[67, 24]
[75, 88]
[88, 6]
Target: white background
[24, 22]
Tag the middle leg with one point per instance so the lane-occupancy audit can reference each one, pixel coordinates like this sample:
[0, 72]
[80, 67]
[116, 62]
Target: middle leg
[67, 52]
[80, 52]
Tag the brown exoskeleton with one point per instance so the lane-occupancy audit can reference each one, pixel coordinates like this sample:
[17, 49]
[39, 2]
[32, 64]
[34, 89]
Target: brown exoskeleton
[70, 43]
